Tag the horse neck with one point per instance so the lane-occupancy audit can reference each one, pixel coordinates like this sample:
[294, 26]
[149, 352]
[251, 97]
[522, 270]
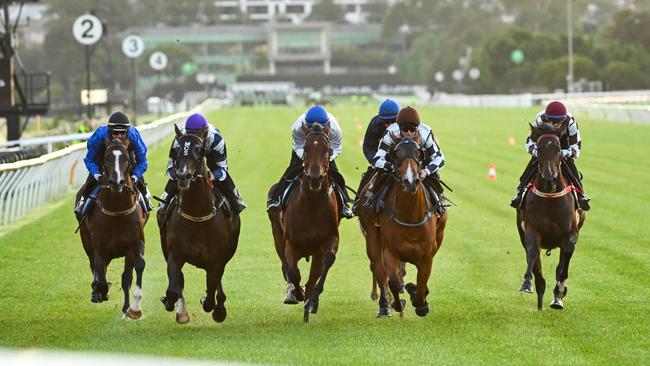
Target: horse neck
[545, 187]
[407, 205]
[198, 197]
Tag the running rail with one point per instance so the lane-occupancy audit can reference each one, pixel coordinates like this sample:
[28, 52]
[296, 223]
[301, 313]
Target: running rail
[28, 184]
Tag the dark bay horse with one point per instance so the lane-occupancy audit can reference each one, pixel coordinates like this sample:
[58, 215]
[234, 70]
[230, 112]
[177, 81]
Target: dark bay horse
[198, 231]
[114, 228]
[549, 217]
[407, 230]
[308, 227]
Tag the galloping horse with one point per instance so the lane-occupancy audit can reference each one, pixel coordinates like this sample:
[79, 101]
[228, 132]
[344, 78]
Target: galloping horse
[549, 218]
[407, 230]
[196, 231]
[309, 225]
[114, 228]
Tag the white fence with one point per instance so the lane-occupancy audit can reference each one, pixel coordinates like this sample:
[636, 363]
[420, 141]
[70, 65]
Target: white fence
[28, 184]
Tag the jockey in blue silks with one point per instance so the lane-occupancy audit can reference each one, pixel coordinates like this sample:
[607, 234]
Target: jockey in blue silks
[385, 117]
[216, 158]
[118, 127]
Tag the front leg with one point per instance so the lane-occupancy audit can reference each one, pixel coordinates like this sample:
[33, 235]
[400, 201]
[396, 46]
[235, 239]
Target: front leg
[562, 272]
[531, 241]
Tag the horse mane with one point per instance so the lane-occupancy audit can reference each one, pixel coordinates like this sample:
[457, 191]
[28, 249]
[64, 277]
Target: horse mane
[317, 127]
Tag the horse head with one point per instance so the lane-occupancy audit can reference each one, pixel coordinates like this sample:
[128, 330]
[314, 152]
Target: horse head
[117, 165]
[549, 154]
[407, 157]
[189, 158]
[316, 155]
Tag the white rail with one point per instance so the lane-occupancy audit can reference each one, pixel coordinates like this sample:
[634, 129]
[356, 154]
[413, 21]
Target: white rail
[28, 184]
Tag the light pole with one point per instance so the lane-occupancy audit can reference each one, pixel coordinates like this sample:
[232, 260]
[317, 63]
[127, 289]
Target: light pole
[569, 77]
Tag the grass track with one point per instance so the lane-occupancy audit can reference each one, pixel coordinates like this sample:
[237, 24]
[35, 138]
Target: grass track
[477, 314]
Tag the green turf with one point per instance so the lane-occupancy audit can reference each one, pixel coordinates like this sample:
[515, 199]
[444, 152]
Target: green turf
[477, 314]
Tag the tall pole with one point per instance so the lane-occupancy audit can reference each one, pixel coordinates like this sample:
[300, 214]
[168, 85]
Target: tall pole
[89, 107]
[569, 77]
[134, 83]
[160, 102]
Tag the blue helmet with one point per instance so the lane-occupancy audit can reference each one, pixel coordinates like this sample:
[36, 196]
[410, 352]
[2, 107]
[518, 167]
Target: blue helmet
[388, 109]
[316, 114]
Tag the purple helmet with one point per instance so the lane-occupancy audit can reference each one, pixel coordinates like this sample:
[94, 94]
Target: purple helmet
[196, 123]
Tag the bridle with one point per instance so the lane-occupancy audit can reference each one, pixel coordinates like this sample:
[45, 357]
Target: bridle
[313, 134]
[184, 149]
[566, 189]
[124, 185]
[397, 162]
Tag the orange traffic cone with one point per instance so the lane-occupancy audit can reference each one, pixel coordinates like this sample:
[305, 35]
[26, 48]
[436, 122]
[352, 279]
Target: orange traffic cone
[511, 140]
[492, 171]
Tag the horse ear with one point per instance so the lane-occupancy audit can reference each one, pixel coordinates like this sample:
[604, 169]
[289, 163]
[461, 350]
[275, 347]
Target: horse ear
[535, 132]
[178, 131]
[305, 129]
[327, 129]
[563, 127]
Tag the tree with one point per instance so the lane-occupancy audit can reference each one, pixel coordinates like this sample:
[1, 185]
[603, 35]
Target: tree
[632, 28]
[552, 73]
[328, 11]
[620, 75]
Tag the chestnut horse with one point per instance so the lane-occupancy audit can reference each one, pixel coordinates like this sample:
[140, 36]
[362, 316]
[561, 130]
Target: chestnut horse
[114, 228]
[406, 230]
[549, 217]
[308, 227]
[196, 231]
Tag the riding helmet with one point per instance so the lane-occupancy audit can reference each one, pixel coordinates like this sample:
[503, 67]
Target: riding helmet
[388, 109]
[119, 121]
[408, 116]
[555, 110]
[316, 114]
[196, 123]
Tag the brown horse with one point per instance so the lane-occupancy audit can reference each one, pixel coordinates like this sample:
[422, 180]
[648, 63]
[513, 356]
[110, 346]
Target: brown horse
[407, 230]
[309, 225]
[114, 228]
[196, 231]
[549, 218]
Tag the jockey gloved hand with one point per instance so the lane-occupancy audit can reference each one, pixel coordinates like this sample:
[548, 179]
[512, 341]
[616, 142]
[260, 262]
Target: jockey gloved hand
[534, 152]
[97, 176]
[388, 167]
[423, 174]
[135, 179]
[567, 153]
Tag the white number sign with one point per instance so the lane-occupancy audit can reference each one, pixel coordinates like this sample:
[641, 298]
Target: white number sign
[158, 60]
[132, 46]
[87, 29]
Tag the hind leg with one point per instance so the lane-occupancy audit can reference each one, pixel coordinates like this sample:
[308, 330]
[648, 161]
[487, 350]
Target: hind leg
[135, 310]
[392, 265]
[294, 291]
[127, 279]
[219, 314]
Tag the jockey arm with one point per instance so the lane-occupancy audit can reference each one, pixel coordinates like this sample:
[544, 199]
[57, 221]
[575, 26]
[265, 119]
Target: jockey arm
[385, 146]
[336, 138]
[373, 134]
[298, 137]
[170, 161]
[95, 146]
[436, 157]
[140, 150]
[216, 155]
[575, 143]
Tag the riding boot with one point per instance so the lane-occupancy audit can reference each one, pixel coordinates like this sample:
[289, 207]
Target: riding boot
[515, 202]
[526, 177]
[145, 195]
[227, 187]
[89, 202]
[166, 198]
[292, 171]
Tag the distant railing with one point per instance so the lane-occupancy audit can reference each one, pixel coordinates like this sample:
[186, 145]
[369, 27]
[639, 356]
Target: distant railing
[28, 184]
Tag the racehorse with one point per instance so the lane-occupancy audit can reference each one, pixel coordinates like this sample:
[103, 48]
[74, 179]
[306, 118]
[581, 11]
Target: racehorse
[308, 227]
[198, 230]
[406, 230]
[114, 228]
[549, 217]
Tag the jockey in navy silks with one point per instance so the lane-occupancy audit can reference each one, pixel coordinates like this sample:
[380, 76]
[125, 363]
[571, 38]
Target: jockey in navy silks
[216, 156]
[555, 114]
[118, 127]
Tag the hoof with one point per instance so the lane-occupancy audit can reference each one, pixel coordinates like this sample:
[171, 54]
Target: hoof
[94, 298]
[169, 306]
[410, 289]
[182, 318]
[219, 314]
[557, 304]
[402, 304]
[305, 316]
[290, 299]
[422, 310]
[558, 294]
[208, 306]
[133, 314]
[526, 287]
[383, 313]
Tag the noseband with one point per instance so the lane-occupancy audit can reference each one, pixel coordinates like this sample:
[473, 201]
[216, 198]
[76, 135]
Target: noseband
[128, 162]
[187, 153]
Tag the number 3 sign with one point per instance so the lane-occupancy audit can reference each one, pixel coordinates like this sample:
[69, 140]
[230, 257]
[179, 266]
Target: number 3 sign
[87, 29]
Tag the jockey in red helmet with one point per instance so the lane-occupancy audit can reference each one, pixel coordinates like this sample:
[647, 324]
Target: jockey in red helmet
[555, 114]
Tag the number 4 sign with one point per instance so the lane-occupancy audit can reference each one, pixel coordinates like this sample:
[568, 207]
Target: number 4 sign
[87, 29]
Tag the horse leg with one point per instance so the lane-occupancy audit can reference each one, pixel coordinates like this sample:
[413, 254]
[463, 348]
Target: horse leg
[419, 296]
[392, 265]
[211, 288]
[311, 304]
[173, 292]
[562, 273]
[294, 292]
[530, 245]
[315, 271]
[278, 241]
[540, 282]
[182, 316]
[100, 277]
[135, 311]
[219, 314]
[374, 295]
[127, 279]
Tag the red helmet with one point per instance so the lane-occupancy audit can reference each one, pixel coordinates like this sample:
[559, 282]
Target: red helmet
[555, 110]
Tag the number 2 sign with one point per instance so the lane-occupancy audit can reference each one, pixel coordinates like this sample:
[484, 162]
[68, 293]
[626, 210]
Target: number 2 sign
[87, 29]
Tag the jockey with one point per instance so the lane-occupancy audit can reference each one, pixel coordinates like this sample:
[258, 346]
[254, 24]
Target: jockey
[408, 125]
[555, 114]
[118, 127]
[216, 159]
[315, 114]
[386, 116]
